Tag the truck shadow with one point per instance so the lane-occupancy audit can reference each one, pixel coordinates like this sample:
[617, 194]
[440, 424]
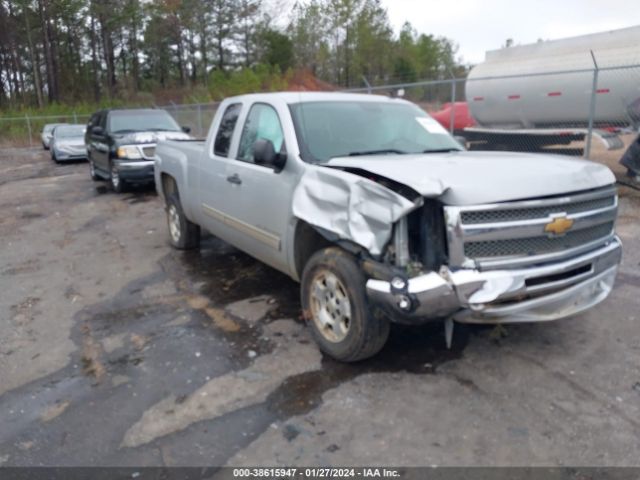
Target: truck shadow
[226, 275]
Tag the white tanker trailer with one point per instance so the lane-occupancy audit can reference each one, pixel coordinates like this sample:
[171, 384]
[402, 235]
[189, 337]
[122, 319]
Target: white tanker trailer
[532, 96]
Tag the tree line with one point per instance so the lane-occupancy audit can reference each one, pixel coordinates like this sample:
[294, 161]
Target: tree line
[68, 51]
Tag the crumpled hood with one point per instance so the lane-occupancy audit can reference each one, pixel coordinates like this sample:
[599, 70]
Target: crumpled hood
[135, 138]
[466, 178]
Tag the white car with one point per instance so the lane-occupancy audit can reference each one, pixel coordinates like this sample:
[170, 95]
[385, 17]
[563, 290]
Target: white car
[67, 143]
[47, 133]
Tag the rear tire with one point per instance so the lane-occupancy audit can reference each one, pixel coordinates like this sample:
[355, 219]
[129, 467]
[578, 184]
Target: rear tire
[336, 307]
[183, 234]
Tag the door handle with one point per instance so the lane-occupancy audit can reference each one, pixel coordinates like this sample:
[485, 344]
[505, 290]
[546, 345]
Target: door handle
[234, 179]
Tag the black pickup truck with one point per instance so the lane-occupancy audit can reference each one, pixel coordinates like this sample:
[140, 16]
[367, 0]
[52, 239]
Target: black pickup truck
[121, 143]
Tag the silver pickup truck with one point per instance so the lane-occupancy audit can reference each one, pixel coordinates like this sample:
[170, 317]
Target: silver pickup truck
[382, 216]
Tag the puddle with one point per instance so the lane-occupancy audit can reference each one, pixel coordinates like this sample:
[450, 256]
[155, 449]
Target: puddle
[226, 275]
[30, 215]
[410, 349]
[140, 194]
[168, 336]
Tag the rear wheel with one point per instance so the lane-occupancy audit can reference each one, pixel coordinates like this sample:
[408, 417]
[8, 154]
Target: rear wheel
[183, 234]
[336, 307]
[117, 183]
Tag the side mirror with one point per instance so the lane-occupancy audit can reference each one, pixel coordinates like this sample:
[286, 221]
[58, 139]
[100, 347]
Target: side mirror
[265, 154]
[97, 130]
[186, 129]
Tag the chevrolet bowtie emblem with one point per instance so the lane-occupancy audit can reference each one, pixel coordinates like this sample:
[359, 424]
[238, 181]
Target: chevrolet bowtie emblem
[559, 225]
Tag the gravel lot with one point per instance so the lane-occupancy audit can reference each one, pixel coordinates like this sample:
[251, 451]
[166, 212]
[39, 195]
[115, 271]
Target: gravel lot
[117, 350]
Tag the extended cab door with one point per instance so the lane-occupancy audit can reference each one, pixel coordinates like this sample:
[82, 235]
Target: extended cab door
[209, 173]
[257, 199]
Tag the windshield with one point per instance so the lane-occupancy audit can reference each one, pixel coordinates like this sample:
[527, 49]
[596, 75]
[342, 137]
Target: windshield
[349, 128]
[69, 131]
[136, 121]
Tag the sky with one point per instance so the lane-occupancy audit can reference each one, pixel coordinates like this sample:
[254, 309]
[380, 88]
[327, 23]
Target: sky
[481, 25]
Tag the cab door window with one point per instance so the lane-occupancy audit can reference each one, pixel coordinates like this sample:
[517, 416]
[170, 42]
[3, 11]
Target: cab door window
[262, 123]
[225, 130]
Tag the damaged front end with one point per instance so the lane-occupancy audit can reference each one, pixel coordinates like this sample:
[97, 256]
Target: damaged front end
[508, 262]
[502, 296]
[490, 263]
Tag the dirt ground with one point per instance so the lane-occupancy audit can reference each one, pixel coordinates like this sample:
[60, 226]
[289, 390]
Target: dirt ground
[117, 350]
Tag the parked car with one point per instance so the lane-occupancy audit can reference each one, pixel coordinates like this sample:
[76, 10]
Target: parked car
[47, 133]
[382, 216]
[122, 143]
[67, 143]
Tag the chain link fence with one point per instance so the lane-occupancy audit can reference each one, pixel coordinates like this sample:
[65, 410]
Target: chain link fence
[25, 131]
[590, 112]
[196, 116]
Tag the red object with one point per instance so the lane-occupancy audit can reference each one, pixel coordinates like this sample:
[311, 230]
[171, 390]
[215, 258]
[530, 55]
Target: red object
[514, 97]
[462, 117]
[602, 90]
[554, 94]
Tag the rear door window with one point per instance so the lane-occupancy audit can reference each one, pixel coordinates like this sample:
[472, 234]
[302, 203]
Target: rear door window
[222, 142]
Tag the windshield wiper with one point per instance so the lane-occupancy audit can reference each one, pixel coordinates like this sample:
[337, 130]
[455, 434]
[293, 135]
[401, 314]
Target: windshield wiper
[442, 150]
[161, 130]
[377, 152]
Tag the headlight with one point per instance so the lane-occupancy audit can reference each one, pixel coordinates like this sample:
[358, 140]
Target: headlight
[129, 152]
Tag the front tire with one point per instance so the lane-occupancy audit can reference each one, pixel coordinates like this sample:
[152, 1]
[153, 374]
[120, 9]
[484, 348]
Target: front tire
[117, 183]
[92, 171]
[183, 234]
[336, 307]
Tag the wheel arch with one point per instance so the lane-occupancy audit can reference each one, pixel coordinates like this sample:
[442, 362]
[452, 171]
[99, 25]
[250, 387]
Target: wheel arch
[168, 185]
[309, 239]
[306, 241]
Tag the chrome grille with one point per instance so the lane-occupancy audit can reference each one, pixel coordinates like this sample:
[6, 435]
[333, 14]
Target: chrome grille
[536, 245]
[149, 151]
[520, 233]
[512, 214]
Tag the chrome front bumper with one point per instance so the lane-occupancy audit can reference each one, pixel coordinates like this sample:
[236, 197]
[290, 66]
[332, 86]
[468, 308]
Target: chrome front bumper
[136, 170]
[133, 164]
[535, 294]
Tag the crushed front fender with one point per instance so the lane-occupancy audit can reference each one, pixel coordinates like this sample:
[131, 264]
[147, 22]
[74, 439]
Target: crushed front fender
[350, 206]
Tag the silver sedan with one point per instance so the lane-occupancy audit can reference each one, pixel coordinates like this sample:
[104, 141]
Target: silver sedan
[67, 143]
[47, 133]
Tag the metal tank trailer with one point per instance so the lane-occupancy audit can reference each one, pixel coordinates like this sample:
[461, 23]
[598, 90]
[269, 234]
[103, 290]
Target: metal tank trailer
[549, 93]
